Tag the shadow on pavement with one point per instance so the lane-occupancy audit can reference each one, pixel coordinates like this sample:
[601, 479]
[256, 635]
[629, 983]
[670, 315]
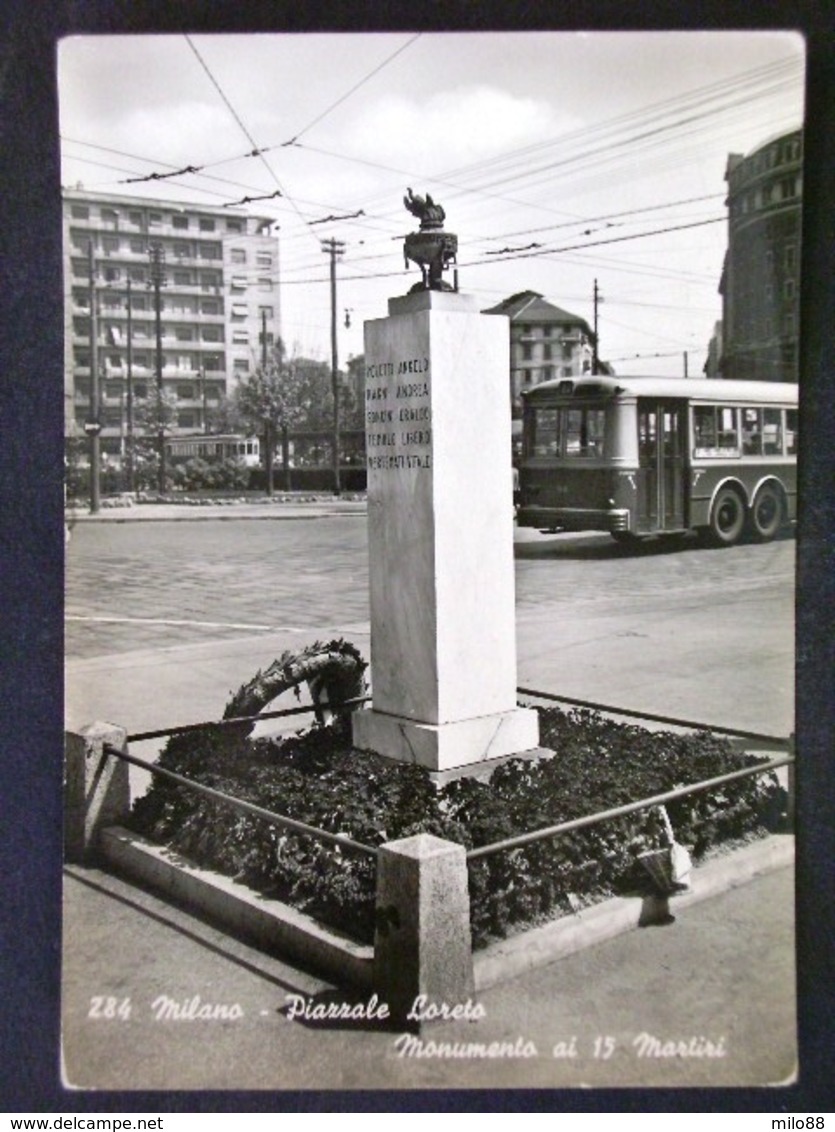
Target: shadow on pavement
[603, 548]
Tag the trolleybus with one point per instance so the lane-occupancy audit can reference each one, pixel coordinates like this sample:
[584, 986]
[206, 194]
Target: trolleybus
[639, 456]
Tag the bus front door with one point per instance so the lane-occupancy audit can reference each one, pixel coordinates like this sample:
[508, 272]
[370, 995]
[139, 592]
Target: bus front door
[660, 466]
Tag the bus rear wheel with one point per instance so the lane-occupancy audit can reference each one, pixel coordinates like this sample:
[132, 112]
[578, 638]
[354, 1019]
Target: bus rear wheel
[727, 520]
[767, 513]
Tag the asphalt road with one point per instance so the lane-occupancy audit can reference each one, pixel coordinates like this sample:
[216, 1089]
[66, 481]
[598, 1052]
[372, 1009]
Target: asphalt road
[165, 617]
[675, 629]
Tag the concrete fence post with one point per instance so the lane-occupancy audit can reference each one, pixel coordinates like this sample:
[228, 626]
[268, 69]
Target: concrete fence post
[96, 787]
[422, 947]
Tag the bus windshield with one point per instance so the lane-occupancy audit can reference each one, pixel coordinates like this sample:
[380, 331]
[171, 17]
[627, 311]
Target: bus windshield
[567, 432]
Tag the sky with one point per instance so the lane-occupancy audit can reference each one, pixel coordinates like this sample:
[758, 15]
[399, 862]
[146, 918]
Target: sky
[560, 158]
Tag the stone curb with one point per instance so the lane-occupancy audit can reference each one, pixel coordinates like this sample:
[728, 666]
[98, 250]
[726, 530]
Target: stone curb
[540, 946]
[270, 924]
[278, 928]
[184, 514]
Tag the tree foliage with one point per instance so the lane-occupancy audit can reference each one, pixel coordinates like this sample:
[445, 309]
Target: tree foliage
[274, 393]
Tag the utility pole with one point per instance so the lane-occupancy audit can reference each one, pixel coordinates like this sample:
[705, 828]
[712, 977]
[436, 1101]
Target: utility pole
[268, 421]
[595, 361]
[205, 420]
[130, 451]
[334, 248]
[685, 364]
[93, 425]
[157, 281]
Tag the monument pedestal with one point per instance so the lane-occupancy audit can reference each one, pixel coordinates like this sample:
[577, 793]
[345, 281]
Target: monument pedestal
[440, 530]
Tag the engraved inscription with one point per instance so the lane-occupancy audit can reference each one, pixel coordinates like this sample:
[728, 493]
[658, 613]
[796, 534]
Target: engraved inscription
[398, 417]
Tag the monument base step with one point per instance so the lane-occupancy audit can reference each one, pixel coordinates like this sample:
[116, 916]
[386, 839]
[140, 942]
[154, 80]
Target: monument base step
[448, 746]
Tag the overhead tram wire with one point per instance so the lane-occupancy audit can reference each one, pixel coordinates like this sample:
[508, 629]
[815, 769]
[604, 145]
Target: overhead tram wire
[401, 172]
[660, 110]
[255, 147]
[354, 88]
[606, 130]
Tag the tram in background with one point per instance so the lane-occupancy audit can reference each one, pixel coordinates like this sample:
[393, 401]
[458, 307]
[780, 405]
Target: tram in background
[310, 456]
[229, 446]
[639, 456]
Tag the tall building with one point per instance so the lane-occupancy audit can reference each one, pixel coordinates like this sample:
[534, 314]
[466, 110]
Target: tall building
[761, 276]
[545, 342]
[218, 269]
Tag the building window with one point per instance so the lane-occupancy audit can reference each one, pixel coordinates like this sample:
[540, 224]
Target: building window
[111, 274]
[135, 218]
[238, 255]
[265, 312]
[110, 244]
[234, 225]
[155, 219]
[240, 336]
[209, 279]
[791, 257]
[207, 224]
[263, 259]
[137, 246]
[212, 334]
[788, 289]
[265, 284]
[527, 351]
[210, 306]
[179, 221]
[211, 251]
[182, 250]
[185, 392]
[184, 334]
[187, 419]
[241, 365]
[546, 352]
[80, 212]
[182, 278]
[140, 390]
[237, 284]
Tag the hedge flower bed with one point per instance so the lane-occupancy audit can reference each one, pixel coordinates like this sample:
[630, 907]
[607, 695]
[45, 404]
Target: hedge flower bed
[316, 777]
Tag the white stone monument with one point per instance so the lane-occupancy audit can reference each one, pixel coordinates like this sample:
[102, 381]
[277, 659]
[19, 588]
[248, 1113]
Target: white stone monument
[440, 530]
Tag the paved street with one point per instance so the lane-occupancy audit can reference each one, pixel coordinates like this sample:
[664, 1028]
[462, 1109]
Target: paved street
[687, 631]
[166, 618]
[722, 971]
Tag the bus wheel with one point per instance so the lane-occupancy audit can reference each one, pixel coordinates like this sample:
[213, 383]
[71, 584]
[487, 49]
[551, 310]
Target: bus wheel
[767, 513]
[727, 519]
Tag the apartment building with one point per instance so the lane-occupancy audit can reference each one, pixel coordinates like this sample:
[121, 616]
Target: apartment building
[218, 269]
[545, 342]
[760, 283]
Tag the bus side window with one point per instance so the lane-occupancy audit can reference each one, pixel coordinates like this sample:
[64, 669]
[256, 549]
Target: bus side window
[751, 432]
[704, 426]
[791, 432]
[772, 432]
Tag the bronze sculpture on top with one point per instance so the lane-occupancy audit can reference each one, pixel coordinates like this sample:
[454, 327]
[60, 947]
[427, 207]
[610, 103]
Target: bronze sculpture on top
[432, 249]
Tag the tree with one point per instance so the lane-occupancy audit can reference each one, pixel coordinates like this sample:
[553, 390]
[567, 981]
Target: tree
[156, 415]
[225, 417]
[273, 400]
